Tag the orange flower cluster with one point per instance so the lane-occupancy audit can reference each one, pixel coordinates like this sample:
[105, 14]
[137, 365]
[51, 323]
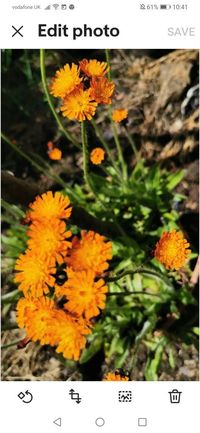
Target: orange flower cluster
[115, 377]
[81, 88]
[172, 250]
[60, 277]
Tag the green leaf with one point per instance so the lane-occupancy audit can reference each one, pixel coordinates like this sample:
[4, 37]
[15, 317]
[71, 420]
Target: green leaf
[93, 348]
[196, 330]
[171, 358]
[152, 366]
[145, 329]
[174, 179]
[186, 297]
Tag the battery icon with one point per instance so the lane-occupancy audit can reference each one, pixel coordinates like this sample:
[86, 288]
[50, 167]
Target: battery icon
[163, 6]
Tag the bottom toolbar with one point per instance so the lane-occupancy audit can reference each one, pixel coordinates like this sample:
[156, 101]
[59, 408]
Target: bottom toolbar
[93, 406]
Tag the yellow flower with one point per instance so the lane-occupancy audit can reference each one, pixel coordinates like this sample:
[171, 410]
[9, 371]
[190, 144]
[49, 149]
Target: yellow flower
[91, 252]
[55, 154]
[97, 155]
[115, 377]
[65, 81]
[101, 90]
[50, 240]
[70, 334]
[50, 206]
[119, 115]
[34, 274]
[93, 68]
[79, 105]
[172, 250]
[35, 316]
[84, 295]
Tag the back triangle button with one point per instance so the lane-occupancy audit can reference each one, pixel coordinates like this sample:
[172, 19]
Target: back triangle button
[58, 422]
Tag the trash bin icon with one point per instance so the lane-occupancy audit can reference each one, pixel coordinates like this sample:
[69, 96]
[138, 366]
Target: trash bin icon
[175, 396]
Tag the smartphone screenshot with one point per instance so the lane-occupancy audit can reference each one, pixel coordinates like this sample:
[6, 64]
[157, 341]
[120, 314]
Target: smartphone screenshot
[100, 216]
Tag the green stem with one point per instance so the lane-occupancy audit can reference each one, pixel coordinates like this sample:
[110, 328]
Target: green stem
[85, 159]
[90, 185]
[138, 271]
[9, 326]
[85, 164]
[114, 129]
[41, 169]
[118, 146]
[132, 293]
[20, 152]
[108, 62]
[133, 146]
[105, 145]
[50, 102]
[14, 343]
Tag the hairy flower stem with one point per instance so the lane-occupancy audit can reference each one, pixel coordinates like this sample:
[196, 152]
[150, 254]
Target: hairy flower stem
[41, 169]
[85, 159]
[106, 147]
[20, 152]
[114, 129]
[50, 102]
[139, 271]
[108, 62]
[118, 146]
[136, 293]
[85, 164]
[131, 141]
[14, 343]
[90, 184]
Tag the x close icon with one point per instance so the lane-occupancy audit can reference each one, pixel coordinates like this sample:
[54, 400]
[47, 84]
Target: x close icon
[17, 31]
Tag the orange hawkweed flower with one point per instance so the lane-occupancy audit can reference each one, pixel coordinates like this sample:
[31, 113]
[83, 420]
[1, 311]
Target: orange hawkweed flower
[43, 322]
[97, 155]
[79, 105]
[172, 250]
[93, 68]
[35, 316]
[25, 307]
[70, 334]
[84, 295]
[101, 90]
[115, 377]
[49, 239]
[34, 274]
[55, 154]
[91, 252]
[50, 206]
[65, 81]
[119, 115]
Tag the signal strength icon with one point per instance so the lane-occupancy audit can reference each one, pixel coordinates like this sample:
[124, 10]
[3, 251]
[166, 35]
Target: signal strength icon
[55, 6]
[48, 7]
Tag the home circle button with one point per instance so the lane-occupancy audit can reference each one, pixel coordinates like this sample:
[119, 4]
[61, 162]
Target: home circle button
[100, 422]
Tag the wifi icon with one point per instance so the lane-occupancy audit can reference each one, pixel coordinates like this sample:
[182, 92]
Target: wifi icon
[56, 6]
